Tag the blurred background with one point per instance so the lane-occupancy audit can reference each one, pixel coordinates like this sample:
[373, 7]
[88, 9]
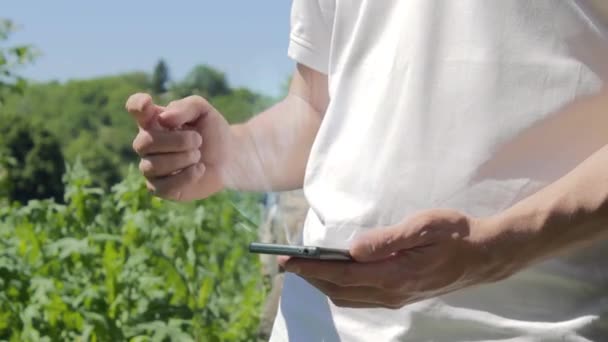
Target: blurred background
[85, 253]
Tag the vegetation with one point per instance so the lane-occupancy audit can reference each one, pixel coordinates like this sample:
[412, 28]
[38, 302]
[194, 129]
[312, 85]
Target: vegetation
[89, 120]
[30, 152]
[11, 58]
[160, 77]
[86, 254]
[122, 265]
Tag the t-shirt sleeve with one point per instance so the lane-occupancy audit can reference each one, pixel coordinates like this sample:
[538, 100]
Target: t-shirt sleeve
[310, 35]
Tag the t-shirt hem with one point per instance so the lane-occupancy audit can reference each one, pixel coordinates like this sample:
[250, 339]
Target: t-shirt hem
[302, 51]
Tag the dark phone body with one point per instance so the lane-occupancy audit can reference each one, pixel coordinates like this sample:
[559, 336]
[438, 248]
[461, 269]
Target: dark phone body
[307, 252]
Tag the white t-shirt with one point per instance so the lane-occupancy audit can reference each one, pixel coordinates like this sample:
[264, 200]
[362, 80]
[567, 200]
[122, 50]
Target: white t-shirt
[449, 104]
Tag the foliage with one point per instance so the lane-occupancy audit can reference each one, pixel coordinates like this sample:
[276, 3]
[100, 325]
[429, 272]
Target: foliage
[90, 121]
[32, 164]
[241, 104]
[123, 265]
[11, 58]
[102, 260]
[101, 160]
[203, 80]
[160, 77]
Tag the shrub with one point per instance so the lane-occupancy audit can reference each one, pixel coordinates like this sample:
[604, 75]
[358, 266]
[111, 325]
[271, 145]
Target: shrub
[125, 266]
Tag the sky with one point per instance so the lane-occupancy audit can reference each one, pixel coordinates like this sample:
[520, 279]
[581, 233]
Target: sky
[80, 39]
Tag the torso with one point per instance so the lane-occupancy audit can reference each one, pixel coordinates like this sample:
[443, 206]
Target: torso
[454, 104]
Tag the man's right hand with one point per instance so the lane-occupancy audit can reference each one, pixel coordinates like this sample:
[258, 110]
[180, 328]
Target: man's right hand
[184, 147]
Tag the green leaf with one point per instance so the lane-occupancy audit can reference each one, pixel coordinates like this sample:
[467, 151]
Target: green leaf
[67, 246]
[204, 292]
[22, 53]
[111, 265]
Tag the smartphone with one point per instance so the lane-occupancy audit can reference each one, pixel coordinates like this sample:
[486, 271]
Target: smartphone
[308, 252]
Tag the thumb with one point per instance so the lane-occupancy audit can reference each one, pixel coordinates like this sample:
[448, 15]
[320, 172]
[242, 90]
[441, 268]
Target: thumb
[421, 230]
[184, 111]
[143, 109]
[382, 243]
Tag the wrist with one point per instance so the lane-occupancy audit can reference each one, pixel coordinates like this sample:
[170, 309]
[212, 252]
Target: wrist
[512, 241]
[242, 169]
[233, 153]
[545, 225]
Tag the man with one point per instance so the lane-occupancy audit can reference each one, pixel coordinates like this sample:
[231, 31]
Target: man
[458, 148]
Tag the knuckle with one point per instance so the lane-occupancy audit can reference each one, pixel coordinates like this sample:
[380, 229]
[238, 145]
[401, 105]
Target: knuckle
[198, 100]
[142, 142]
[426, 220]
[194, 156]
[194, 173]
[193, 139]
[439, 216]
[146, 167]
[453, 215]
[136, 146]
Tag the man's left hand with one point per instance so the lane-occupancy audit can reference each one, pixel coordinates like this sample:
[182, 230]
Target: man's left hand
[430, 254]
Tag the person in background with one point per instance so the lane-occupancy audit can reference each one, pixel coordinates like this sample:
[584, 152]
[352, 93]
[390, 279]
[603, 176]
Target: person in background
[457, 148]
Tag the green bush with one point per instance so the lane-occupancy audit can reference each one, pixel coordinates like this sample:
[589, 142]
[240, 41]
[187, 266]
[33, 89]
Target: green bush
[125, 266]
[31, 162]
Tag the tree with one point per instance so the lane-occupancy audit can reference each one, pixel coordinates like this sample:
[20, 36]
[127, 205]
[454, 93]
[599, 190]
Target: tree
[33, 165]
[100, 160]
[241, 104]
[203, 80]
[10, 59]
[88, 118]
[160, 77]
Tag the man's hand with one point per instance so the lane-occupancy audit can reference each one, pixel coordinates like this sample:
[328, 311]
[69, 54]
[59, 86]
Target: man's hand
[440, 251]
[183, 147]
[431, 254]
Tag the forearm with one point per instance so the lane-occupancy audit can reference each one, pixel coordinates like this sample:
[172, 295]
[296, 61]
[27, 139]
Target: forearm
[272, 149]
[566, 215]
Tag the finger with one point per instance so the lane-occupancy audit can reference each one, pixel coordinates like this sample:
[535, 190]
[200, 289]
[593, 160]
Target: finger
[343, 273]
[377, 244]
[179, 187]
[143, 109]
[159, 165]
[358, 294]
[153, 142]
[282, 260]
[381, 243]
[421, 230]
[184, 111]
